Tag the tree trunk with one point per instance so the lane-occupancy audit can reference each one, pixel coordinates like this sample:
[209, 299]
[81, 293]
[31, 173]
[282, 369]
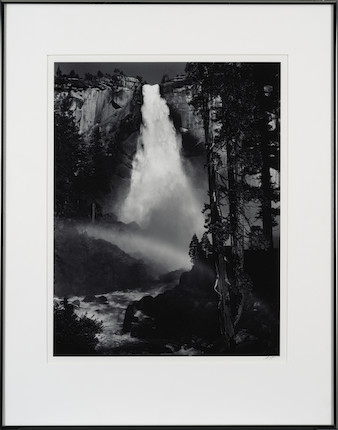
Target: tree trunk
[267, 217]
[236, 224]
[266, 189]
[222, 281]
[269, 105]
[234, 166]
[93, 212]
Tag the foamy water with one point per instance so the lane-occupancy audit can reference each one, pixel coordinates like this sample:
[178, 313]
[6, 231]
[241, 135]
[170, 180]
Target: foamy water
[112, 314]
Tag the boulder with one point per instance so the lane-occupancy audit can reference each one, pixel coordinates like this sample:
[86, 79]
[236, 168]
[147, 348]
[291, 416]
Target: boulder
[76, 303]
[94, 299]
[89, 298]
[101, 299]
[189, 309]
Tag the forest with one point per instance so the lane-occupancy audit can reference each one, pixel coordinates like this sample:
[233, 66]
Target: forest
[167, 210]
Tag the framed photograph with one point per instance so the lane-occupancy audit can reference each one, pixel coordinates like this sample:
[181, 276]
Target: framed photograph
[169, 216]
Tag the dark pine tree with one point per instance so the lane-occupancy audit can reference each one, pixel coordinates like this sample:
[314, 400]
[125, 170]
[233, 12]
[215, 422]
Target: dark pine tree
[267, 80]
[74, 335]
[204, 91]
[68, 148]
[194, 249]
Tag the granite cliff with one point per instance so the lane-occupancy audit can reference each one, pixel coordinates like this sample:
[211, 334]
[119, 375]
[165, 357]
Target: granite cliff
[108, 107]
[111, 106]
[177, 93]
[96, 101]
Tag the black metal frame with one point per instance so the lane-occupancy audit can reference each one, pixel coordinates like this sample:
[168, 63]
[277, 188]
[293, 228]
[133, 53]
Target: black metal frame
[334, 208]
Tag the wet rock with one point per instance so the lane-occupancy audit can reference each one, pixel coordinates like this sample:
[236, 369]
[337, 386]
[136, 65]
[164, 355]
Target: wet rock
[101, 299]
[94, 299]
[76, 303]
[178, 95]
[89, 298]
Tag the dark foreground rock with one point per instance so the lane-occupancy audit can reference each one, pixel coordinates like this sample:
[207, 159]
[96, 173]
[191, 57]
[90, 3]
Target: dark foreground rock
[188, 315]
[76, 303]
[100, 299]
[189, 309]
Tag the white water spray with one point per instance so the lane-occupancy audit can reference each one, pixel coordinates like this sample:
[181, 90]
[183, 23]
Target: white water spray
[161, 199]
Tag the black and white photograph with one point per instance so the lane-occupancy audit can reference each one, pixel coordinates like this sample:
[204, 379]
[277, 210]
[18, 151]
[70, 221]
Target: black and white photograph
[166, 209]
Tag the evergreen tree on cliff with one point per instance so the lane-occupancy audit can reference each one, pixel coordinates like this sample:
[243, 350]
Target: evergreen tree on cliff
[238, 140]
[205, 245]
[204, 93]
[267, 78]
[97, 181]
[194, 249]
[238, 144]
[68, 156]
[58, 72]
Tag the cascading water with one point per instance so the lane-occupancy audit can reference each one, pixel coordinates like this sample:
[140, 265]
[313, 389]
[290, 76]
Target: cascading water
[161, 200]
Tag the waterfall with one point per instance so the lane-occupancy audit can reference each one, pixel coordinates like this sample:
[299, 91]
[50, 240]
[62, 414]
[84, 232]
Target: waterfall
[161, 199]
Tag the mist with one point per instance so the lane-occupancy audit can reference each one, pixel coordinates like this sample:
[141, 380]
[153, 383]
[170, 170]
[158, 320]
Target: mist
[139, 244]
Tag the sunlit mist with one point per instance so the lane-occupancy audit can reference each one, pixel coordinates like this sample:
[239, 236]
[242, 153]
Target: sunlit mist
[161, 199]
[162, 256]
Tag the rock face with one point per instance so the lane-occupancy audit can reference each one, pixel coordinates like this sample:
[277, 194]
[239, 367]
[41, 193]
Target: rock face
[96, 102]
[111, 105]
[177, 94]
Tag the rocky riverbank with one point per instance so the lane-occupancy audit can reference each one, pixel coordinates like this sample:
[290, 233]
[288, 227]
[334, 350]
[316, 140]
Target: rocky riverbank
[187, 316]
